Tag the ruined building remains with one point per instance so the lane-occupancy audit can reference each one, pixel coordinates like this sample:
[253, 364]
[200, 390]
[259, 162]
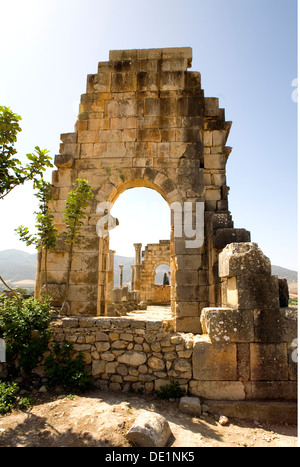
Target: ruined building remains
[144, 121]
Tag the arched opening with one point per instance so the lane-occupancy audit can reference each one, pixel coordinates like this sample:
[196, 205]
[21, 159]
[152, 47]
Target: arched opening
[144, 221]
[162, 275]
[144, 217]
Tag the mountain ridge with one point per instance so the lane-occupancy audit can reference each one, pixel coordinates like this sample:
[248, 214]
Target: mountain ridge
[18, 265]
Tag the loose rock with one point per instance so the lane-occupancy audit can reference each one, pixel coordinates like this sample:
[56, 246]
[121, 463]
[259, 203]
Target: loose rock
[149, 430]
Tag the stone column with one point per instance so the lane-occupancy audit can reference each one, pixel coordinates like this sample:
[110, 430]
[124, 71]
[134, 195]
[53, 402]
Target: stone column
[138, 247]
[132, 277]
[110, 275]
[121, 275]
[137, 266]
[103, 276]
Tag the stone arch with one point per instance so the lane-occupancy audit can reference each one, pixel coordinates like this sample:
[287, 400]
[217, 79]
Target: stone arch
[144, 121]
[119, 187]
[154, 255]
[156, 271]
[153, 179]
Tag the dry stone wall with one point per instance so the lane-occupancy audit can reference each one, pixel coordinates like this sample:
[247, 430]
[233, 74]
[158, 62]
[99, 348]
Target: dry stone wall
[130, 354]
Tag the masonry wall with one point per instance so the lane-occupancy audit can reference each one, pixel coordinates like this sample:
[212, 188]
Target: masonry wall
[154, 255]
[123, 353]
[143, 121]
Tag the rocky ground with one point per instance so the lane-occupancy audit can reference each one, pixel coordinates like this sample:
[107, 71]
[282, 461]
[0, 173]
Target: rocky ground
[102, 419]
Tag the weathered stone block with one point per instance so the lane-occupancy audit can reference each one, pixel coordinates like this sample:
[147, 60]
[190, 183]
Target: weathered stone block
[56, 291]
[228, 325]
[243, 258]
[212, 362]
[211, 106]
[271, 390]
[283, 292]
[99, 82]
[188, 324]
[98, 367]
[214, 161]
[268, 362]
[218, 390]
[123, 82]
[149, 430]
[190, 405]
[64, 160]
[156, 363]
[182, 365]
[185, 309]
[257, 292]
[275, 325]
[102, 346]
[224, 237]
[132, 358]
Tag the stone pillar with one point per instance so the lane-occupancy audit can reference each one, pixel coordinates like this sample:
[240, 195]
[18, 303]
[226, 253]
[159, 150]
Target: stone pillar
[138, 247]
[132, 277]
[110, 275]
[121, 275]
[103, 276]
[137, 273]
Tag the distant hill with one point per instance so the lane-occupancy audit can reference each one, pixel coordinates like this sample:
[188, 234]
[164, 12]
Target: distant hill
[288, 274]
[127, 263]
[18, 267]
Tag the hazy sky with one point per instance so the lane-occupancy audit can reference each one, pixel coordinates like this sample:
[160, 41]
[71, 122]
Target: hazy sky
[246, 52]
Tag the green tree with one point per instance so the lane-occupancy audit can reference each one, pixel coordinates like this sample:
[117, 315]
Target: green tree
[12, 172]
[76, 203]
[46, 235]
[166, 279]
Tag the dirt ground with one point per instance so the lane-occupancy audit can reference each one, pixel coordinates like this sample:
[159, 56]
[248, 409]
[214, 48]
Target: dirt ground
[102, 419]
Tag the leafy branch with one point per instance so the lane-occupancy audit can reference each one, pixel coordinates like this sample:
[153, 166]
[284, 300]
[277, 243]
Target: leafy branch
[12, 173]
[76, 204]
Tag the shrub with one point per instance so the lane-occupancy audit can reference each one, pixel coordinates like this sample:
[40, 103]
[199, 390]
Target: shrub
[170, 391]
[8, 396]
[67, 371]
[24, 325]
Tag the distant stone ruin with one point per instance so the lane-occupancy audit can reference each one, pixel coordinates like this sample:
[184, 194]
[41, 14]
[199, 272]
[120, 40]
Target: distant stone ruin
[144, 121]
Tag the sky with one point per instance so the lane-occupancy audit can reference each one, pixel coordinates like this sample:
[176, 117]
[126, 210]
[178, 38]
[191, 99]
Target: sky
[246, 52]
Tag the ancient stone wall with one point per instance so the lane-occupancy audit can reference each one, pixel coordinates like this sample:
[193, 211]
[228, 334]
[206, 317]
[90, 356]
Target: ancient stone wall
[154, 255]
[144, 122]
[246, 350]
[235, 359]
[162, 294]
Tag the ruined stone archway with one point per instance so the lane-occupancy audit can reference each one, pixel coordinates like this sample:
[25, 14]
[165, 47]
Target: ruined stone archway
[144, 121]
[143, 269]
[154, 255]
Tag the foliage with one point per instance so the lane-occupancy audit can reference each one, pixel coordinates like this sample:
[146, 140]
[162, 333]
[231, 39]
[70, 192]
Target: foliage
[12, 173]
[66, 371]
[293, 301]
[8, 396]
[166, 279]
[25, 402]
[47, 232]
[76, 203]
[24, 325]
[170, 391]
[46, 236]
